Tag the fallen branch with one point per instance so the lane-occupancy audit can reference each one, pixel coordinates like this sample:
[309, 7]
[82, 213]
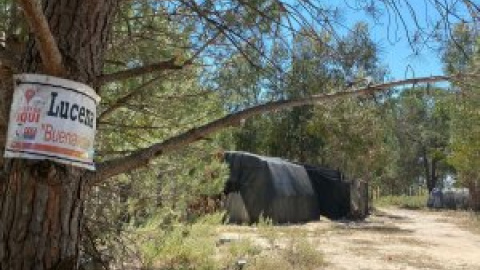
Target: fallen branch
[142, 157]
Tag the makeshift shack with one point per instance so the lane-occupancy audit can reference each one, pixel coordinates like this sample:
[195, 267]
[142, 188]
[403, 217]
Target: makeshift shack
[287, 192]
[338, 198]
[268, 187]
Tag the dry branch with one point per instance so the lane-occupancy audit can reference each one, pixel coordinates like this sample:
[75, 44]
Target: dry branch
[51, 56]
[142, 157]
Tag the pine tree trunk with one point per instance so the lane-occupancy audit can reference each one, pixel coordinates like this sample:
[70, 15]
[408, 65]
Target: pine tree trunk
[426, 166]
[41, 202]
[434, 176]
[41, 212]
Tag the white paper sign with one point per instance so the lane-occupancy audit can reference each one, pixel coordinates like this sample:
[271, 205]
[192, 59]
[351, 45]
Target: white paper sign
[52, 118]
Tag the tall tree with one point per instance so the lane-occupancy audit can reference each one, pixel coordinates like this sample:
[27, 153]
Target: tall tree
[42, 202]
[463, 54]
[422, 126]
[313, 68]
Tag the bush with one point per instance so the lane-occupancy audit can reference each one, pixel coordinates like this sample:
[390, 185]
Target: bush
[180, 246]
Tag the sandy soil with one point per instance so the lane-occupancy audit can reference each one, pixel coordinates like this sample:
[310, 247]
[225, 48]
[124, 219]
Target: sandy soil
[399, 239]
[389, 239]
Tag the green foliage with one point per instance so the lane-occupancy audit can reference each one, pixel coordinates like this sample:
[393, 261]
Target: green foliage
[421, 128]
[340, 134]
[353, 136]
[464, 142]
[149, 109]
[181, 247]
[157, 197]
[460, 49]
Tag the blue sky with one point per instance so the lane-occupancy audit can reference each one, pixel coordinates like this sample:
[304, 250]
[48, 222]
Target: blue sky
[398, 55]
[402, 61]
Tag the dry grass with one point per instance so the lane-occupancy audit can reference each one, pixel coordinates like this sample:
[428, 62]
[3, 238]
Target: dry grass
[382, 237]
[296, 254]
[464, 219]
[276, 247]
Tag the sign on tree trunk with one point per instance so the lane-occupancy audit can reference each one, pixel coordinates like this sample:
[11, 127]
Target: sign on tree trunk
[52, 118]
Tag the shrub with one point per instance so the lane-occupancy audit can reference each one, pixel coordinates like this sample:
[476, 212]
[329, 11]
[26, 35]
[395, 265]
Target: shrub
[180, 247]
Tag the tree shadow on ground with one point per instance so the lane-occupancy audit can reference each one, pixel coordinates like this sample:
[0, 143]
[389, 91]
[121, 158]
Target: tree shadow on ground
[378, 221]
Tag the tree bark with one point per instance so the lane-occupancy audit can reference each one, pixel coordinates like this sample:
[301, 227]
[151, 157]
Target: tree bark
[426, 166]
[41, 213]
[434, 176]
[41, 202]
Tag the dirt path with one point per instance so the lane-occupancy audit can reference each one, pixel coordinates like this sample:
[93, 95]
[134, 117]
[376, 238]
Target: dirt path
[399, 239]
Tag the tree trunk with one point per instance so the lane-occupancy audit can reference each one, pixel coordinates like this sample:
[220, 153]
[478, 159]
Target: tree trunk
[41, 206]
[41, 214]
[434, 177]
[473, 185]
[426, 166]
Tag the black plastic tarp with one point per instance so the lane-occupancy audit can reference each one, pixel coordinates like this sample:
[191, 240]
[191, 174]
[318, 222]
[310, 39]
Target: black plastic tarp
[271, 188]
[287, 192]
[333, 193]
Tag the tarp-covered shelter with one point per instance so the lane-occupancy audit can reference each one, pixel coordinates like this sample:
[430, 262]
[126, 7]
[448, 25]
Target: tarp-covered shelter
[268, 187]
[333, 194]
[287, 192]
[338, 197]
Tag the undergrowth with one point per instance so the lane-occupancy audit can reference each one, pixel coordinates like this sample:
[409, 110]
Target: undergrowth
[180, 246]
[199, 246]
[402, 201]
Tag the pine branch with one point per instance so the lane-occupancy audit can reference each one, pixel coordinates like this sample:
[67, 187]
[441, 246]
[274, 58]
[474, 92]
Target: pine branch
[142, 157]
[123, 100]
[161, 66]
[133, 72]
[51, 56]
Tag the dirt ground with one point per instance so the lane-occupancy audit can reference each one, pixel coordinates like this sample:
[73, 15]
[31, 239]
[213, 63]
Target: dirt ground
[401, 239]
[390, 239]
